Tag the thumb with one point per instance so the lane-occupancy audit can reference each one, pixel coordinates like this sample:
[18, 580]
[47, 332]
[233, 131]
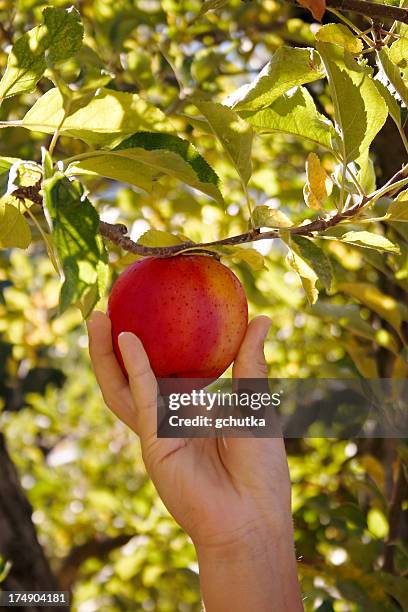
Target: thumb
[250, 361]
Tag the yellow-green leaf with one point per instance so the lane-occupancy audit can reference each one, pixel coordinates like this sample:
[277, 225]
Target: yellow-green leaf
[237, 254]
[106, 117]
[158, 238]
[370, 241]
[234, 134]
[339, 34]
[359, 108]
[289, 67]
[315, 190]
[314, 256]
[145, 157]
[393, 74]
[14, 229]
[294, 113]
[398, 211]
[263, 216]
[384, 305]
[377, 523]
[307, 275]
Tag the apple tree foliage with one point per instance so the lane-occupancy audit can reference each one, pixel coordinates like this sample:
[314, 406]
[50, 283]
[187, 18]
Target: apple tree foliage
[191, 123]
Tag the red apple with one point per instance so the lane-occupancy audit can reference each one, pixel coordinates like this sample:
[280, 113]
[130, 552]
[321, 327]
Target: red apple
[190, 312]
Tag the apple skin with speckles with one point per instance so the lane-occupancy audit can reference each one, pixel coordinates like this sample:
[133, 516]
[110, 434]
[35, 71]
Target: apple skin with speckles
[190, 312]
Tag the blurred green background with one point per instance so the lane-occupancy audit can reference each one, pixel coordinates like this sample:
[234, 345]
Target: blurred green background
[106, 534]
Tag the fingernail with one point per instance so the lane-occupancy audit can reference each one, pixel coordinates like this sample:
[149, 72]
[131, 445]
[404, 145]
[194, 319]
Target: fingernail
[124, 335]
[267, 326]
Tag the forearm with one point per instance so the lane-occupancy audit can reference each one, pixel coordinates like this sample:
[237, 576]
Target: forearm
[258, 573]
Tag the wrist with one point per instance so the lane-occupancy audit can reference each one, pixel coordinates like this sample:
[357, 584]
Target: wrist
[250, 539]
[255, 571]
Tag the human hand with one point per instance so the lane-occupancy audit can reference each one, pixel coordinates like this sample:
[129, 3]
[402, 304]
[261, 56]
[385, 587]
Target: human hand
[232, 496]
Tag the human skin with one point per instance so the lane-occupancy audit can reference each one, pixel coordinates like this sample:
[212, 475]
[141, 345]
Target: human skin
[232, 496]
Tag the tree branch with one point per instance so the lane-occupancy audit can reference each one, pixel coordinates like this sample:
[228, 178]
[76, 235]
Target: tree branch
[399, 494]
[116, 234]
[368, 9]
[97, 546]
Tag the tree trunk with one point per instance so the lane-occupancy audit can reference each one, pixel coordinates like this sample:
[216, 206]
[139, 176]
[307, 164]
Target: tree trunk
[30, 569]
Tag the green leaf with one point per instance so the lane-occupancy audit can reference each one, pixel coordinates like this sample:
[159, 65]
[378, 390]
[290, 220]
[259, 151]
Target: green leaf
[393, 74]
[307, 275]
[349, 317]
[157, 238]
[392, 104]
[294, 113]
[398, 210]
[211, 5]
[83, 258]
[5, 567]
[398, 52]
[104, 118]
[315, 257]
[366, 174]
[370, 241]
[64, 33]
[396, 586]
[263, 216]
[60, 37]
[26, 64]
[360, 110]
[5, 164]
[373, 298]
[234, 134]
[377, 523]
[14, 229]
[237, 254]
[288, 68]
[341, 35]
[315, 190]
[146, 156]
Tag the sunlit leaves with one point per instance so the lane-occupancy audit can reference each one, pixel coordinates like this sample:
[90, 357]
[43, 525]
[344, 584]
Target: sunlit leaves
[6, 164]
[315, 190]
[370, 241]
[58, 39]
[310, 262]
[14, 229]
[64, 33]
[288, 68]
[264, 216]
[398, 210]
[234, 134]
[391, 102]
[211, 5]
[104, 118]
[75, 226]
[339, 34]
[315, 257]
[146, 156]
[369, 295]
[239, 254]
[393, 74]
[360, 110]
[307, 275]
[158, 238]
[294, 113]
